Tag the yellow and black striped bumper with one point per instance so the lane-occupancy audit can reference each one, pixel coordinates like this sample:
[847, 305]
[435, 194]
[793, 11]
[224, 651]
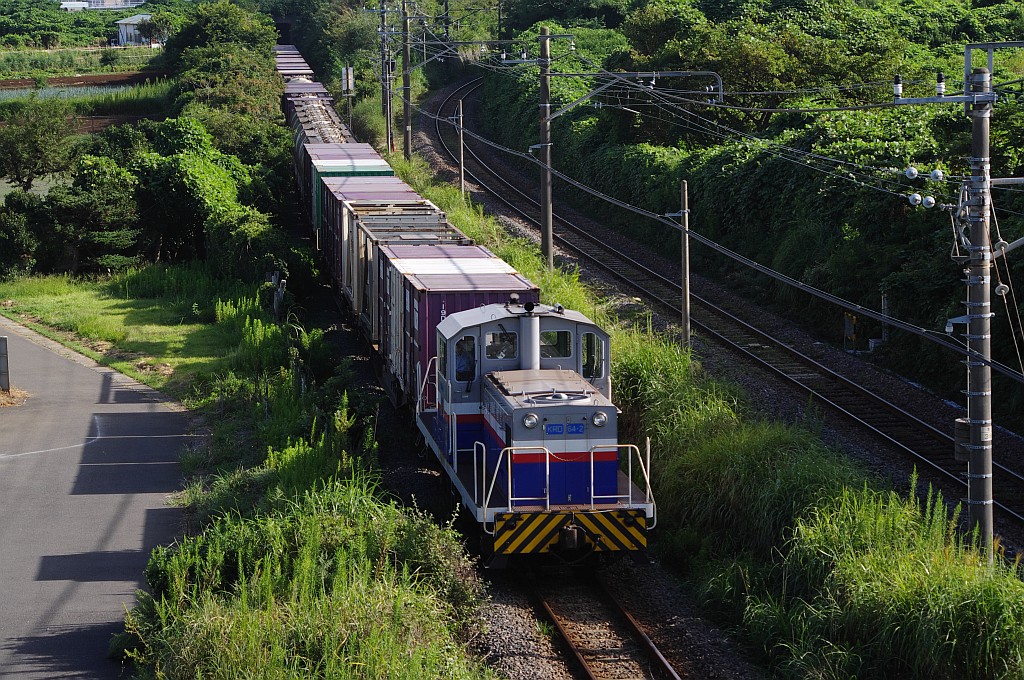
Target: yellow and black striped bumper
[521, 533]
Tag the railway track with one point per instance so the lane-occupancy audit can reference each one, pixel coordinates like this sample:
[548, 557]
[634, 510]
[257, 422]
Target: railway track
[825, 387]
[603, 637]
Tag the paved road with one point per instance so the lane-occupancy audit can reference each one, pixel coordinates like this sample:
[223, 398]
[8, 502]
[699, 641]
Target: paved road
[86, 465]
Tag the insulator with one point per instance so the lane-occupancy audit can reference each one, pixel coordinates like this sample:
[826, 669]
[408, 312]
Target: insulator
[915, 199]
[897, 86]
[911, 172]
[940, 84]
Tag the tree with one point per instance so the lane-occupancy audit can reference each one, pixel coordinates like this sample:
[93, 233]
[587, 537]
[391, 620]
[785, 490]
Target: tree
[220, 24]
[159, 26]
[35, 140]
[96, 218]
[18, 239]
[230, 77]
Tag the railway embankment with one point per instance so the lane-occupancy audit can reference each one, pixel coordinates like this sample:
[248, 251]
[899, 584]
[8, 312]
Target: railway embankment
[746, 503]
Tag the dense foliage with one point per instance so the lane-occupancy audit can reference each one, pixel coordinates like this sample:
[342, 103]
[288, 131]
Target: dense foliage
[160, 191]
[817, 196]
[42, 24]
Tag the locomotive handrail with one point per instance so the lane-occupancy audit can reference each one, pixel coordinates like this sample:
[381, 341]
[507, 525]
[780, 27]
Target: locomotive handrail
[630, 448]
[508, 452]
[547, 476]
[423, 387]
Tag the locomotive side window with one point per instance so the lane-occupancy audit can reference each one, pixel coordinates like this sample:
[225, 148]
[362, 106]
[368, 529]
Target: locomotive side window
[555, 344]
[465, 359]
[593, 356]
[502, 345]
[442, 355]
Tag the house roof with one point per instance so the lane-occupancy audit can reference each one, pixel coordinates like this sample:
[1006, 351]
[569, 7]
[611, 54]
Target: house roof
[136, 19]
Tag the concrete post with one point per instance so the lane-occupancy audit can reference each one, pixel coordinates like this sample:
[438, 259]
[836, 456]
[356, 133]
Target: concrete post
[5, 374]
[979, 318]
[547, 238]
[406, 84]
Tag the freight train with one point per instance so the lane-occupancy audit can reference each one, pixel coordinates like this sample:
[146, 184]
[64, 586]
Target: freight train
[513, 397]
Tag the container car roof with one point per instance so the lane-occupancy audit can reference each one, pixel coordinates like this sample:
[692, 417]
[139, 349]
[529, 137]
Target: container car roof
[455, 323]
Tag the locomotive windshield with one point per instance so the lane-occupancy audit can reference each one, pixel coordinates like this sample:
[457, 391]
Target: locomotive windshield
[556, 344]
[502, 345]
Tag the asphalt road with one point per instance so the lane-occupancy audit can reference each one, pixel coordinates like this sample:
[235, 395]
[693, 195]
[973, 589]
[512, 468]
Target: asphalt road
[86, 465]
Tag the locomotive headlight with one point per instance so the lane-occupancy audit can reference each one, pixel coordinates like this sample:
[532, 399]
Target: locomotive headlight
[600, 419]
[530, 420]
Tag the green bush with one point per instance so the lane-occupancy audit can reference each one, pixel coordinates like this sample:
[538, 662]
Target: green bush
[336, 583]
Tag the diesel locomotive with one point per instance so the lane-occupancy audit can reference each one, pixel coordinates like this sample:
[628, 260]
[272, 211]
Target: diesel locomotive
[512, 397]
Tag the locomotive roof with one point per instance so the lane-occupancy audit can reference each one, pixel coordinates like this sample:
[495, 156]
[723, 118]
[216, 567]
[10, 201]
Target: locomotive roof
[454, 324]
[548, 387]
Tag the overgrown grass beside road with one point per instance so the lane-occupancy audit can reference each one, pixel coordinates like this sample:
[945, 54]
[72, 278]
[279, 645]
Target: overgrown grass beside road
[296, 561]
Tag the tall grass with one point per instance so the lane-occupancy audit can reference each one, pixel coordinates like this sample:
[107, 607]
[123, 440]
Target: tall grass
[137, 100]
[890, 587]
[334, 584]
[134, 100]
[830, 576]
[195, 287]
[32, 63]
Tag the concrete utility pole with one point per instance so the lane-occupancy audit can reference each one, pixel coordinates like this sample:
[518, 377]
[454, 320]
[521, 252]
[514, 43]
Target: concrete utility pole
[406, 85]
[383, 60]
[977, 240]
[684, 234]
[546, 116]
[979, 314]
[462, 151]
[685, 247]
[547, 237]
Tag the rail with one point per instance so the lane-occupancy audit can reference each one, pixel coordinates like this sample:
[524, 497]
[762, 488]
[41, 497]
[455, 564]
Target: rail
[591, 621]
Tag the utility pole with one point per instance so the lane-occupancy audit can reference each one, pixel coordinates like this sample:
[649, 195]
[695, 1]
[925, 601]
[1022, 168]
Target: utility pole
[383, 60]
[547, 238]
[546, 116]
[684, 234]
[685, 248]
[976, 238]
[979, 314]
[406, 84]
[462, 163]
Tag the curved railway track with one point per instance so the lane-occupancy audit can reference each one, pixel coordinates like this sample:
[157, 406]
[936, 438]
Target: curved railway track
[603, 637]
[918, 439]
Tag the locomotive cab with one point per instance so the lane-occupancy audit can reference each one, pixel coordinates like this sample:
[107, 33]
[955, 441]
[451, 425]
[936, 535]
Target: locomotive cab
[525, 427]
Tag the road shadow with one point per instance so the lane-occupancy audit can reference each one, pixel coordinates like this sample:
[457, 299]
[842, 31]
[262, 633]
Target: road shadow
[74, 651]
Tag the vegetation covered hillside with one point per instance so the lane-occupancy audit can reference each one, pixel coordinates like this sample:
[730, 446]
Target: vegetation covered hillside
[801, 167]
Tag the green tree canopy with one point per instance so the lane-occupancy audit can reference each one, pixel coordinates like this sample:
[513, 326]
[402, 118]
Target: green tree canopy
[35, 140]
[96, 216]
[222, 23]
